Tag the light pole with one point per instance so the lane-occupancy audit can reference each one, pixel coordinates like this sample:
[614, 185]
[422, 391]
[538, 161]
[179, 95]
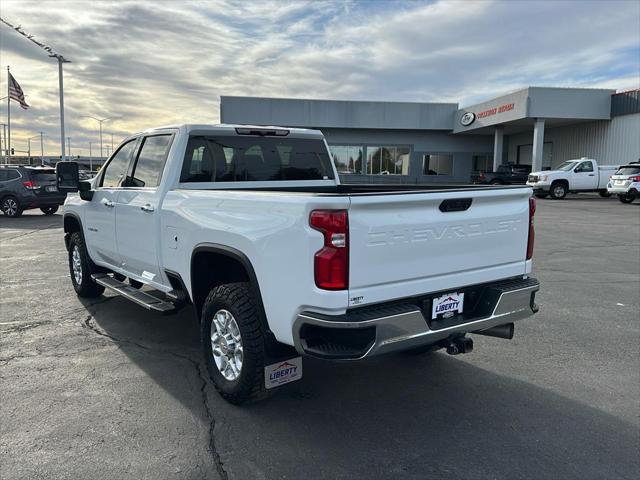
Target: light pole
[100, 120]
[41, 149]
[29, 146]
[61, 60]
[90, 159]
[4, 134]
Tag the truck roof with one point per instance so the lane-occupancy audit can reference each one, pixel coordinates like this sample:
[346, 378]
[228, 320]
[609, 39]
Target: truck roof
[231, 128]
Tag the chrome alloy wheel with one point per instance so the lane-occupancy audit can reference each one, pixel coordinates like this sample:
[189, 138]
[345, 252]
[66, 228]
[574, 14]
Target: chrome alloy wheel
[558, 190]
[226, 344]
[76, 264]
[10, 207]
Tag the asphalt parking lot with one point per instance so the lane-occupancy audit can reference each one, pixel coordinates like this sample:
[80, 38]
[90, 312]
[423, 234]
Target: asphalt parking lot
[105, 389]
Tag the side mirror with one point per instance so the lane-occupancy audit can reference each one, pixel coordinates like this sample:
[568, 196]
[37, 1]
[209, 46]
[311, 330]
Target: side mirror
[85, 191]
[67, 177]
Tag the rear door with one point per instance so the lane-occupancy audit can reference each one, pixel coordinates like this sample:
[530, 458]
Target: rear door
[410, 244]
[137, 210]
[100, 230]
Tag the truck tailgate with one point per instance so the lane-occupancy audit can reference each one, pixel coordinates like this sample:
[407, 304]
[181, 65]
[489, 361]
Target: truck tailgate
[404, 244]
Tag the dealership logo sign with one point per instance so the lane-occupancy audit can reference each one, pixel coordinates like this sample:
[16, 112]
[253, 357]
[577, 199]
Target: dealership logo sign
[467, 119]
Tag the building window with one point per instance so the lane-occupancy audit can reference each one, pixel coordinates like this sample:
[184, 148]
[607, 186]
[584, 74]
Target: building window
[347, 158]
[383, 160]
[482, 163]
[438, 164]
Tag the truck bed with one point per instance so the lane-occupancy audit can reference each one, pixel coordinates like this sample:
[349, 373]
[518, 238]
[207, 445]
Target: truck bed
[377, 189]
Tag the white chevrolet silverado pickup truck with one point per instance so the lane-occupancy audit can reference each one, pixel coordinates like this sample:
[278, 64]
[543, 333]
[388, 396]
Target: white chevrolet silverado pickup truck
[252, 226]
[580, 175]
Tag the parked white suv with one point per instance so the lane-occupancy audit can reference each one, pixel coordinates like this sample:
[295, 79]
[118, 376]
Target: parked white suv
[252, 226]
[581, 175]
[626, 183]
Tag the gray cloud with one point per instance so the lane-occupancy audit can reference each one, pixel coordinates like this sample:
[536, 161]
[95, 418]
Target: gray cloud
[167, 62]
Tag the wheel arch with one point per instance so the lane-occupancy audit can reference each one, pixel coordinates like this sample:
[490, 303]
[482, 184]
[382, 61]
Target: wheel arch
[71, 224]
[214, 264]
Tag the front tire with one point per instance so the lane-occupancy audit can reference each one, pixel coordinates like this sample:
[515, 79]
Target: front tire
[626, 198]
[49, 210]
[80, 268]
[11, 207]
[233, 343]
[558, 190]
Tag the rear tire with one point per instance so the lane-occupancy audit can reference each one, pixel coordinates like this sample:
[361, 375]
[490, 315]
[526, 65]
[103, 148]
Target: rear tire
[80, 268]
[604, 194]
[49, 210]
[496, 182]
[11, 206]
[235, 306]
[626, 198]
[558, 190]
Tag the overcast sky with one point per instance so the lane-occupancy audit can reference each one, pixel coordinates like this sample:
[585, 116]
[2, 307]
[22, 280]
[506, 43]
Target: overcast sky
[154, 63]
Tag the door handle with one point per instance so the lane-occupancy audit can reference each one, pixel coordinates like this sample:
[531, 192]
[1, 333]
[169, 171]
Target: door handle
[108, 203]
[592, 174]
[147, 208]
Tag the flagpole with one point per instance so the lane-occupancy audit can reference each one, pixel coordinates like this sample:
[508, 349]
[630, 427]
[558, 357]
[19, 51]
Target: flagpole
[8, 119]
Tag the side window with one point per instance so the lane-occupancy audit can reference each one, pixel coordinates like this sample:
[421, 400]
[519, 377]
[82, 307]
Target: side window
[585, 167]
[148, 168]
[115, 171]
[441, 164]
[3, 175]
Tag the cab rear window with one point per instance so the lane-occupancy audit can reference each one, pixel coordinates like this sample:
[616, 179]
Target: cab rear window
[43, 176]
[254, 159]
[628, 171]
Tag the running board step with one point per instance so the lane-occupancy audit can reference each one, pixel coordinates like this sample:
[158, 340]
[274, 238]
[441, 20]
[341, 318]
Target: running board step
[127, 291]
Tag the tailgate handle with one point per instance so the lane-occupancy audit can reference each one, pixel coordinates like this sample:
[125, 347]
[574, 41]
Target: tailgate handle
[455, 205]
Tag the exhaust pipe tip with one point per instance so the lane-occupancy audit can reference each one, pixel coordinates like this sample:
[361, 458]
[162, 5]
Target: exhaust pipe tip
[458, 345]
[500, 331]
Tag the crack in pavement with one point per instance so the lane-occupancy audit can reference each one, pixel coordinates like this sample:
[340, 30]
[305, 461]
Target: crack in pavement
[203, 388]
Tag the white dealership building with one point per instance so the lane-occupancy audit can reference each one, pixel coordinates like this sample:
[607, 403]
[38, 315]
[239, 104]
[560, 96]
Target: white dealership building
[409, 142]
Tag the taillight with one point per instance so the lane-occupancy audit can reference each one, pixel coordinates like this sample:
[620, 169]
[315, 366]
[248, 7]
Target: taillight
[482, 177]
[635, 179]
[532, 233]
[31, 185]
[331, 262]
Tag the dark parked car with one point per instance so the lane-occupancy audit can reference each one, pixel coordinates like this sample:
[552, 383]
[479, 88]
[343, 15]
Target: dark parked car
[23, 188]
[509, 174]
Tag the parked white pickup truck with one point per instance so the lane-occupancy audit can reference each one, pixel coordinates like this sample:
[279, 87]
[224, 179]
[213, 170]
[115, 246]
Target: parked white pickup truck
[581, 175]
[252, 226]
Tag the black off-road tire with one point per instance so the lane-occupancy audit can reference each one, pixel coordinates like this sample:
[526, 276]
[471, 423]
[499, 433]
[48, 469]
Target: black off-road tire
[11, 206]
[86, 288]
[604, 193]
[558, 190]
[626, 198]
[239, 300]
[49, 210]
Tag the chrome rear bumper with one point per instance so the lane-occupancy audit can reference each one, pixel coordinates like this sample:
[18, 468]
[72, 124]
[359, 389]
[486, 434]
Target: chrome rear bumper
[404, 326]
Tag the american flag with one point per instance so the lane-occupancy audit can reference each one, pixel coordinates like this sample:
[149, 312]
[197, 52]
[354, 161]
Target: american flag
[16, 93]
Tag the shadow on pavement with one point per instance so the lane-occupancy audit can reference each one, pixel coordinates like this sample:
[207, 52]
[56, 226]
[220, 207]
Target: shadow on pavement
[430, 416]
[31, 221]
